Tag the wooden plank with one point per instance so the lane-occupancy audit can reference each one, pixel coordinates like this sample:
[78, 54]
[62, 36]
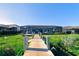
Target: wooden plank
[37, 47]
[38, 53]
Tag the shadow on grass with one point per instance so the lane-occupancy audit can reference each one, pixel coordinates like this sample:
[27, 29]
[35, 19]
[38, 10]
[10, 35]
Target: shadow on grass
[7, 51]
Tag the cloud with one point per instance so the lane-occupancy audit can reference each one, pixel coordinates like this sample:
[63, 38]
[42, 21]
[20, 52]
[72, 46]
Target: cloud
[5, 18]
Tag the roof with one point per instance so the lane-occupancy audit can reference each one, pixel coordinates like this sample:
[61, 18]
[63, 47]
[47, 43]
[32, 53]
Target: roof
[8, 26]
[49, 26]
[71, 27]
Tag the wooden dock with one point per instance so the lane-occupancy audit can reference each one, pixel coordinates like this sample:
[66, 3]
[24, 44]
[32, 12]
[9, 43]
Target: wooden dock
[37, 47]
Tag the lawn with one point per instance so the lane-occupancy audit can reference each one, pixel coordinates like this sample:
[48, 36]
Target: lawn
[11, 45]
[70, 42]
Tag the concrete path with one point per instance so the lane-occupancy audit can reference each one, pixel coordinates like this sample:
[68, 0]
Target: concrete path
[37, 47]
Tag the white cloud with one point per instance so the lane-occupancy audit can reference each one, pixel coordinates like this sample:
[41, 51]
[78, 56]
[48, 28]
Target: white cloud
[5, 18]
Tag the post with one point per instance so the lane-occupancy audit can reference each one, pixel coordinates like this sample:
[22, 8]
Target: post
[47, 42]
[25, 42]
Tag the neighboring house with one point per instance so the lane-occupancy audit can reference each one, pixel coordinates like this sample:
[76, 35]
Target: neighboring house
[44, 29]
[71, 29]
[13, 27]
[2, 28]
[9, 28]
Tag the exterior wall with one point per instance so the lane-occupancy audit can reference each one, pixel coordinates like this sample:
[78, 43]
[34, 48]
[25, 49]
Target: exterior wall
[71, 31]
[8, 30]
[41, 29]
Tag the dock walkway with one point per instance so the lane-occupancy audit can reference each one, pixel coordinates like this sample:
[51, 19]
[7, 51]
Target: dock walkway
[37, 47]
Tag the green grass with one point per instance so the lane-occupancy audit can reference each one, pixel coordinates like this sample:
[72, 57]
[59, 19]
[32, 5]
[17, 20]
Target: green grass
[68, 41]
[12, 43]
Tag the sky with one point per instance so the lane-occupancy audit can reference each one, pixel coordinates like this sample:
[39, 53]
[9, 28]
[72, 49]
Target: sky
[62, 14]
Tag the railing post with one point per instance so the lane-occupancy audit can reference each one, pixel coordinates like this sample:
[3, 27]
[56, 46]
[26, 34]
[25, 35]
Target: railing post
[25, 42]
[47, 42]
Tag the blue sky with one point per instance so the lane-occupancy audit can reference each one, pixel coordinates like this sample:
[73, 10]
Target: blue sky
[40, 14]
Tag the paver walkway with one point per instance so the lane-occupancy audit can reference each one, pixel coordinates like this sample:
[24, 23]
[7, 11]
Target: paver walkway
[37, 47]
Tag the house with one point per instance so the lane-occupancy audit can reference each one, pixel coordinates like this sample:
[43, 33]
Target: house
[71, 29]
[44, 29]
[13, 28]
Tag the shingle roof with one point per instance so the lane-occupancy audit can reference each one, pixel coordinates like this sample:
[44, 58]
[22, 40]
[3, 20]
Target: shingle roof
[8, 26]
[71, 27]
